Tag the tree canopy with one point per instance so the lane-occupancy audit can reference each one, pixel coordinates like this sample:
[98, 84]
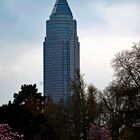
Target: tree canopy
[90, 114]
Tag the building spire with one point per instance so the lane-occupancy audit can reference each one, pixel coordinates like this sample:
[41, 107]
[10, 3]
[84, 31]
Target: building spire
[61, 7]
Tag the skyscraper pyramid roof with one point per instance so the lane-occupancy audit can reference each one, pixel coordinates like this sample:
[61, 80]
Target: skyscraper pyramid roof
[61, 7]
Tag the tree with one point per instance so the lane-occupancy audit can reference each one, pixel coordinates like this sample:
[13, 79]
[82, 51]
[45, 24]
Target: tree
[18, 117]
[82, 108]
[121, 99]
[42, 129]
[30, 98]
[78, 107]
[27, 92]
[93, 107]
[126, 65]
[25, 115]
[127, 72]
[55, 114]
[97, 132]
[7, 134]
[113, 106]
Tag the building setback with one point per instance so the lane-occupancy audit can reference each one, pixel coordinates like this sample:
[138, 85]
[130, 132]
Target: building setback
[61, 52]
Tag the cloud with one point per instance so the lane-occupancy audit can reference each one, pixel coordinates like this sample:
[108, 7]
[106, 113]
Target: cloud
[24, 68]
[114, 28]
[120, 19]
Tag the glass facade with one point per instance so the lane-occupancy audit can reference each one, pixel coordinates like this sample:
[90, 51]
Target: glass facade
[61, 52]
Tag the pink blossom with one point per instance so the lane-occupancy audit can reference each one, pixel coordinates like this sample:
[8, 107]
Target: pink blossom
[97, 132]
[7, 134]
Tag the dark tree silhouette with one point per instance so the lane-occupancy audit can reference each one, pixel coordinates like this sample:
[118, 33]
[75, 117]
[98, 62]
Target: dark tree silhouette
[121, 100]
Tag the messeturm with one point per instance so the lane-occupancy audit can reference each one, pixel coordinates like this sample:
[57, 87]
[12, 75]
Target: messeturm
[61, 52]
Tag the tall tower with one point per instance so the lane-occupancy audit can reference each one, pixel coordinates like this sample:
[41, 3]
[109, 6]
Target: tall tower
[61, 52]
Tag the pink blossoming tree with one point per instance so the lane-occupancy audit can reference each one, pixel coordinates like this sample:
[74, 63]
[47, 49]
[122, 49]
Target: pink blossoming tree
[7, 134]
[97, 132]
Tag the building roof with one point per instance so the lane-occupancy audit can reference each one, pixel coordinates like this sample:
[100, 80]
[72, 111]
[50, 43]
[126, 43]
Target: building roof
[61, 7]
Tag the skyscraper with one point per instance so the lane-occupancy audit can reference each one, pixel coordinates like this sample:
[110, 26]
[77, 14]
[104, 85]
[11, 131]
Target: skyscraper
[61, 52]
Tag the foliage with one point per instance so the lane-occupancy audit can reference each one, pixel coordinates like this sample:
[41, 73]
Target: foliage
[82, 117]
[18, 117]
[42, 129]
[70, 120]
[113, 114]
[121, 99]
[97, 132]
[82, 108]
[24, 114]
[126, 65]
[7, 134]
[27, 92]
[55, 114]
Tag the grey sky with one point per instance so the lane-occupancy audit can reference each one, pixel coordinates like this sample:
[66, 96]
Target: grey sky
[104, 28]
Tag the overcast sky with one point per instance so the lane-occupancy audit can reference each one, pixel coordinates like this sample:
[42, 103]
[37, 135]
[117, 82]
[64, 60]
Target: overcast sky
[105, 27]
